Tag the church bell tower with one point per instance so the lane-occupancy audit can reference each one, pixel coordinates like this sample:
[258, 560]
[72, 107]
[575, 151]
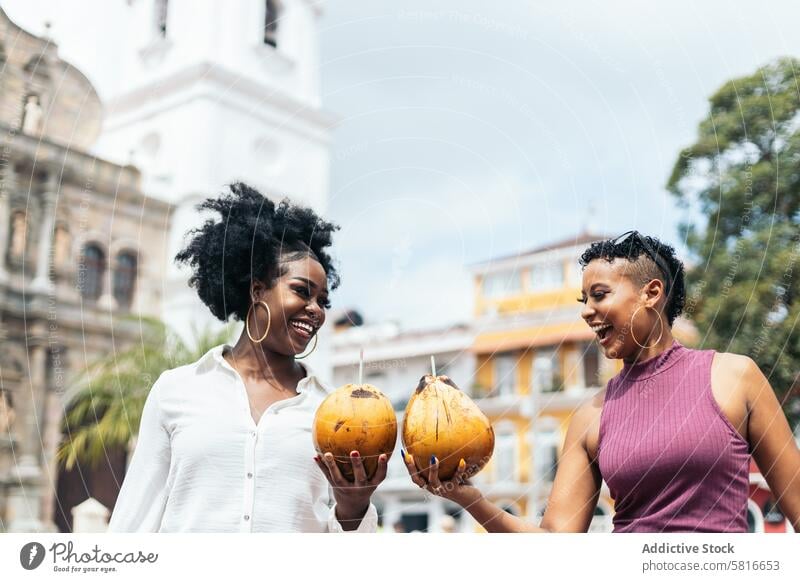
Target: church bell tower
[212, 92]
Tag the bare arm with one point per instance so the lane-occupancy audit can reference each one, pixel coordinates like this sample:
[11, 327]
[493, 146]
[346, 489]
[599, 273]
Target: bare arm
[572, 501]
[577, 485]
[771, 441]
[462, 492]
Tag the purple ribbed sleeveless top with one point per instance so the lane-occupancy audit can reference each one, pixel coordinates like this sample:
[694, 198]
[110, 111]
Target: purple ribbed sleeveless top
[671, 458]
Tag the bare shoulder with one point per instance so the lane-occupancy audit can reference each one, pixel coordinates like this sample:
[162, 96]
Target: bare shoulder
[589, 410]
[597, 400]
[735, 372]
[585, 423]
[733, 364]
[734, 380]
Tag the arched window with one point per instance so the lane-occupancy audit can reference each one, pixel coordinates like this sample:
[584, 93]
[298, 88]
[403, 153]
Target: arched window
[92, 268]
[271, 14]
[125, 278]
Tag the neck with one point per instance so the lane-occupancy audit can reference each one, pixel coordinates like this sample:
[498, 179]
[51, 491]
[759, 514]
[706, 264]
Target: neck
[644, 354]
[256, 361]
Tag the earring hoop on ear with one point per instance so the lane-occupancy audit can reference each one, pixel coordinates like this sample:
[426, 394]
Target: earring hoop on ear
[247, 322]
[660, 321]
[309, 353]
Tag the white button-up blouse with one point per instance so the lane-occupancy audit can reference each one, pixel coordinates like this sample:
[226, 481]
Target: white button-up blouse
[201, 463]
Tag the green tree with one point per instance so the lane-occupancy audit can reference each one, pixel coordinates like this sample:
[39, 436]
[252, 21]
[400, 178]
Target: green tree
[742, 175]
[105, 406]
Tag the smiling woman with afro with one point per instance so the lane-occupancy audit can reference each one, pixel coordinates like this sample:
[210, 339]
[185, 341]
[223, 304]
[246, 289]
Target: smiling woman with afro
[225, 443]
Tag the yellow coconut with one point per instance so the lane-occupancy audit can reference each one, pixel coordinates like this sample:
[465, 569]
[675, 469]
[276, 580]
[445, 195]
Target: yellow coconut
[441, 420]
[356, 417]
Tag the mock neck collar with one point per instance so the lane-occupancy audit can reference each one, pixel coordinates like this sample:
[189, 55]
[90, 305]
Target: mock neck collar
[653, 366]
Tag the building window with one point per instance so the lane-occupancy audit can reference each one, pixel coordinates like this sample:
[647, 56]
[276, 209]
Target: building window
[160, 12]
[591, 365]
[546, 443]
[546, 377]
[92, 268]
[125, 279]
[19, 234]
[547, 276]
[505, 368]
[506, 454]
[271, 14]
[496, 285]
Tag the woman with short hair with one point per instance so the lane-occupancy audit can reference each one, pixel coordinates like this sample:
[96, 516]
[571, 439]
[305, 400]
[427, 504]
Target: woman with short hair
[672, 434]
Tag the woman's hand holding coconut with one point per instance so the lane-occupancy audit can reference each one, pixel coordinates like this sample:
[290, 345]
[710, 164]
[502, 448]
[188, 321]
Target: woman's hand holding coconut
[448, 440]
[352, 497]
[457, 489]
[355, 431]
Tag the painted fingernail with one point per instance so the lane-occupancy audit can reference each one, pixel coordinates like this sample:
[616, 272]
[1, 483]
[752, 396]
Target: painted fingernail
[433, 459]
[403, 454]
[355, 454]
[462, 464]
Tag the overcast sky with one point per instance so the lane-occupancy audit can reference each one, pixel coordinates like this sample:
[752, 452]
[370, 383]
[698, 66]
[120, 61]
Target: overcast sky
[476, 129]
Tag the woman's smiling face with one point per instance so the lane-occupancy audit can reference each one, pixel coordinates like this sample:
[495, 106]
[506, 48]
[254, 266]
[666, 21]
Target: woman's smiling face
[610, 300]
[297, 301]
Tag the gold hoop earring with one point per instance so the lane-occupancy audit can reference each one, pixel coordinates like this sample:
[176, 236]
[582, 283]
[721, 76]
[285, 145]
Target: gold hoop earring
[247, 322]
[660, 321]
[309, 353]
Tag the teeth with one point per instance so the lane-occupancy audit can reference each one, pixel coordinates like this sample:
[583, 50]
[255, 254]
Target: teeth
[302, 325]
[601, 327]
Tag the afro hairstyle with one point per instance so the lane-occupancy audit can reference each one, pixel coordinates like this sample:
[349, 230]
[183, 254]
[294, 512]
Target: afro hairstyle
[250, 239]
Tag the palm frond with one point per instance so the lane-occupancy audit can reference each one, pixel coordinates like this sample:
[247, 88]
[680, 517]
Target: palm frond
[105, 408]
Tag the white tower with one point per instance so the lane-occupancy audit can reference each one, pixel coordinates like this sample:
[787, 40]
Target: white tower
[216, 91]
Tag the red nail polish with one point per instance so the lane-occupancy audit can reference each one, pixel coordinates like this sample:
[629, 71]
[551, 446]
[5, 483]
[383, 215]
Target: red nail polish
[356, 455]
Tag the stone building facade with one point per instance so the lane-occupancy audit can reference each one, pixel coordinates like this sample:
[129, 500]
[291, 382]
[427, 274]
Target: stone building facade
[81, 248]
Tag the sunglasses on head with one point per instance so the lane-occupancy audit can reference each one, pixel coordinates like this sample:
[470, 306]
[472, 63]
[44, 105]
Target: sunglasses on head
[657, 259]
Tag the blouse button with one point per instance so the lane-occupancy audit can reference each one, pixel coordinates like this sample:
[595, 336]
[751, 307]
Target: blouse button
[253, 433]
[249, 475]
[247, 518]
